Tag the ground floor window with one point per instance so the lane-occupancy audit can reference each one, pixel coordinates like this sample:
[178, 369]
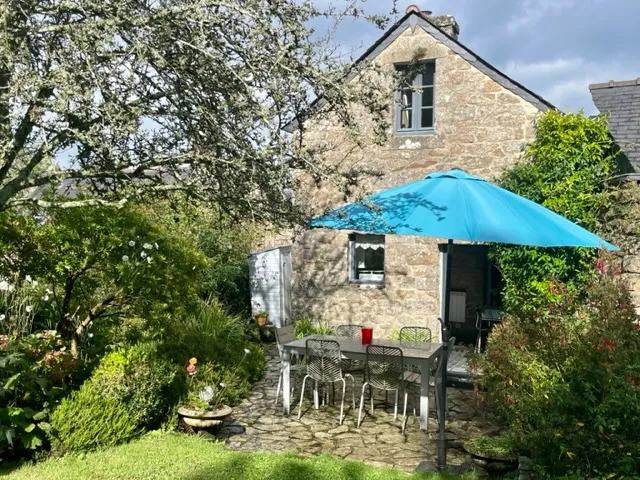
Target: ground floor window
[366, 258]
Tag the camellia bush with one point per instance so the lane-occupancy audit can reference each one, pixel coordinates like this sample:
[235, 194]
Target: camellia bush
[566, 376]
[34, 374]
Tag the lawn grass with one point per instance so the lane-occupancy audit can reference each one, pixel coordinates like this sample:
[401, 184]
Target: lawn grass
[188, 457]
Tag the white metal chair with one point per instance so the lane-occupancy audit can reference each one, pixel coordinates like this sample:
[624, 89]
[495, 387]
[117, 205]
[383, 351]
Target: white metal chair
[324, 365]
[384, 370]
[286, 335]
[353, 332]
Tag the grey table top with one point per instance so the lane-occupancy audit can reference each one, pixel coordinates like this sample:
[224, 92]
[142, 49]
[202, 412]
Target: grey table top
[410, 350]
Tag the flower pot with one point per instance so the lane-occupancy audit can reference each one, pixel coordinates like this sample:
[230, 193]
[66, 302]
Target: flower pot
[204, 419]
[261, 320]
[492, 461]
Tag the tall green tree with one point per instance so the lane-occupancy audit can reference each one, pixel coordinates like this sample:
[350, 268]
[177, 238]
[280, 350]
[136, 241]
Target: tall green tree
[565, 168]
[141, 96]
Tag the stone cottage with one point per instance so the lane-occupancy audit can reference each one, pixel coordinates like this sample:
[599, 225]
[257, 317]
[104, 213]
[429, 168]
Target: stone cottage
[459, 111]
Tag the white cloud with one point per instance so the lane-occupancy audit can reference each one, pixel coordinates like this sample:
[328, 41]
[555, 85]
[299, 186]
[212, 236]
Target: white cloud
[565, 81]
[533, 11]
[549, 68]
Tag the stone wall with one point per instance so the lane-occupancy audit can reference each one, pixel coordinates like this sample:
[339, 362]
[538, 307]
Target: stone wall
[479, 126]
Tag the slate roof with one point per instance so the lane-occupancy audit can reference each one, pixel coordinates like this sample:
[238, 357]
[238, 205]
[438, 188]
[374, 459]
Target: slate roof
[621, 102]
[413, 19]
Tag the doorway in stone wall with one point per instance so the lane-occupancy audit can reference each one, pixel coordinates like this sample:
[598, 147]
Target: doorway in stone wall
[476, 284]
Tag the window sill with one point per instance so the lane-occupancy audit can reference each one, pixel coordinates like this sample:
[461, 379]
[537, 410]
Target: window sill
[374, 285]
[414, 133]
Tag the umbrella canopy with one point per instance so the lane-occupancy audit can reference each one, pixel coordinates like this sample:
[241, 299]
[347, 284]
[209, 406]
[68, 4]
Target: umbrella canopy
[459, 206]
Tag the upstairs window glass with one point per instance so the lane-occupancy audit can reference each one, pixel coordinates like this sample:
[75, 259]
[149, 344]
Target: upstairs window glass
[415, 98]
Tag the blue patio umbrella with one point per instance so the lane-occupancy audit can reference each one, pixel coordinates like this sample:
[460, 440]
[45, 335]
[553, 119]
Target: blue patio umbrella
[458, 206]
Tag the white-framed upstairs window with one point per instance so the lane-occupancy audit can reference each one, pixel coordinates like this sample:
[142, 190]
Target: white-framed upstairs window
[415, 99]
[366, 259]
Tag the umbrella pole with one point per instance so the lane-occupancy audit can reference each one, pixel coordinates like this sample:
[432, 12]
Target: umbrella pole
[442, 436]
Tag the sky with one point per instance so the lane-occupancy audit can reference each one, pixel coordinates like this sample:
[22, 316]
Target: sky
[555, 48]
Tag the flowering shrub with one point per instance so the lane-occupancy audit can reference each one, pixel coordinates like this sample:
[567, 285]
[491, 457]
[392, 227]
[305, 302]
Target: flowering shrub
[34, 371]
[212, 386]
[567, 379]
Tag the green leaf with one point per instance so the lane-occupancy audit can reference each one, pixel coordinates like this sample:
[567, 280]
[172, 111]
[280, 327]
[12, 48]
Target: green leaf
[12, 380]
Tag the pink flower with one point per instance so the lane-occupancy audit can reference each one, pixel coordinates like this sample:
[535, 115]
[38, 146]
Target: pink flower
[191, 368]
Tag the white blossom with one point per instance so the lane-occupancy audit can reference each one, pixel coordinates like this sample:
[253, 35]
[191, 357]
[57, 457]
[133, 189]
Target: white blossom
[147, 246]
[29, 308]
[35, 283]
[132, 243]
[222, 384]
[149, 259]
[156, 245]
[28, 278]
[5, 286]
[45, 297]
[2, 317]
[125, 258]
[48, 291]
[90, 335]
[247, 351]
[143, 254]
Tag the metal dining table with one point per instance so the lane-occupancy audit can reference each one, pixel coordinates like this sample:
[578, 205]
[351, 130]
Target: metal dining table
[422, 355]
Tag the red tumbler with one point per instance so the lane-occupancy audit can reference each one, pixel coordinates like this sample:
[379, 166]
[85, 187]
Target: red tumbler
[367, 336]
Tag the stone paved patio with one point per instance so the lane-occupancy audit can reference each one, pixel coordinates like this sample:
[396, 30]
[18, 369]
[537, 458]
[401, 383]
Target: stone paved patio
[258, 425]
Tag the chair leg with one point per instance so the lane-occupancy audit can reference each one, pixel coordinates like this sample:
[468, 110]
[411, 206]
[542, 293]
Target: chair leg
[371, 398]
[302, 396]
[395, 407]
[353, 391]
[364, 386]
[316, 399]
[404, 413]
[344, 390]
[278, 388]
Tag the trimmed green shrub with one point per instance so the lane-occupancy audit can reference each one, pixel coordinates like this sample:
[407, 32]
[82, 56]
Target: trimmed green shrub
[136, 388]
[88, 419]
[567, 379]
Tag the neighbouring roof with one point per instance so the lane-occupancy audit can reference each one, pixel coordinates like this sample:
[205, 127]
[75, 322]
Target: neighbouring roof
[413, 19]
[621, 102]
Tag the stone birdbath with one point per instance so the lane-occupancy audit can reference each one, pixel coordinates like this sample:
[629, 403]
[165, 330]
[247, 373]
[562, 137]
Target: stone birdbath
[204, 419]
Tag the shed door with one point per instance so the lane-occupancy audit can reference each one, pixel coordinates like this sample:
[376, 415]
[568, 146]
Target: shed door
[286, 286]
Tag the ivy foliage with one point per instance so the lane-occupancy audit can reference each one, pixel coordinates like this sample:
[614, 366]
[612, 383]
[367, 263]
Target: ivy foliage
[565, 168]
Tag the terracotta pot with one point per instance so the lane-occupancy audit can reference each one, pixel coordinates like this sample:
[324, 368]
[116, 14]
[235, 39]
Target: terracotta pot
[204, 418]
[261, 320]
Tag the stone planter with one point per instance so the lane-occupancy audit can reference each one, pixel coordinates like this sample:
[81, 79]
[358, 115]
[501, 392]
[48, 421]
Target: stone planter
[490, 460]
[203, 419]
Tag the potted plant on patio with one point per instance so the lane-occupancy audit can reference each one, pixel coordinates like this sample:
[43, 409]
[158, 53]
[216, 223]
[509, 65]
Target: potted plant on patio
[205, 407]
[261, 318]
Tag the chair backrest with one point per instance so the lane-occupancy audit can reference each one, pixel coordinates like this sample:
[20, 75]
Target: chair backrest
[324, 360]
[384, 367]
[349, 331]
[415, 334]
[284, 335]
